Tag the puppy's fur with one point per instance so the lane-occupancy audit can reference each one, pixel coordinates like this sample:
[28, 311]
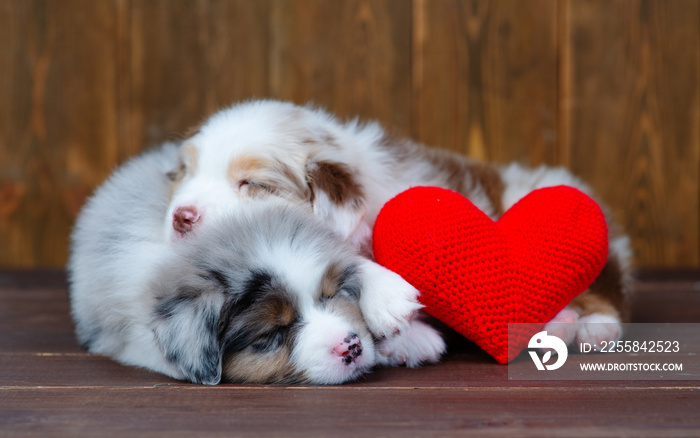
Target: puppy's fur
[170, 268]
[269, 295]
[346, 172]
[262, 294]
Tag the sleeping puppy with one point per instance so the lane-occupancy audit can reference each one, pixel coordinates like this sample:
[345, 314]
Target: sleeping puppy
[264, 293]
[345, 172]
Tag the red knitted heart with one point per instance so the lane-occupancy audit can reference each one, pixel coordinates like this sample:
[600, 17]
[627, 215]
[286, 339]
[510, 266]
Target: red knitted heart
[477, 275]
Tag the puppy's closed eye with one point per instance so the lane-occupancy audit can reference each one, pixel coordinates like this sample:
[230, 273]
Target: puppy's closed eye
[255, 188]
[257, 342]
[341, 280]
[177, 174]
[268, 342]
[187, 163]
[259, 316]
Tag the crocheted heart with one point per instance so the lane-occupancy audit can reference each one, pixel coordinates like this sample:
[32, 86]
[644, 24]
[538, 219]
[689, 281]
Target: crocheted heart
[477, 275]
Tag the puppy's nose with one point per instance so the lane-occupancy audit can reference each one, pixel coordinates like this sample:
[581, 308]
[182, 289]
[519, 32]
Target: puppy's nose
[184, 219]
[349, 349]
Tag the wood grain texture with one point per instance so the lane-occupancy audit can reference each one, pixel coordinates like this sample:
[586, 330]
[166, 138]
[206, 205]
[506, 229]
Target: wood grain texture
[189, 59]
[485, 78]
[633, 109]
[607, 88]
[58, 121]
[51, 387]
[352, 57]
[302, 412]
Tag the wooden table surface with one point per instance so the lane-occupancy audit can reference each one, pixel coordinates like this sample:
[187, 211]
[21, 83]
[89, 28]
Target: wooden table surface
[49, 386]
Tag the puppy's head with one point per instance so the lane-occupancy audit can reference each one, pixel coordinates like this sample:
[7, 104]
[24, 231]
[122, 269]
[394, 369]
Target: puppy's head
[265, 295]
[276, 333]
[260, 150]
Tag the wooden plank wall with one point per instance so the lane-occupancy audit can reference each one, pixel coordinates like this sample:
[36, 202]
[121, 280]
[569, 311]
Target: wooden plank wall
[609, 88]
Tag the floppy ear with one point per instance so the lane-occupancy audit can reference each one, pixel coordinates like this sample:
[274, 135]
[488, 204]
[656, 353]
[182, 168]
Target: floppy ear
[186, 325]
[337, 199]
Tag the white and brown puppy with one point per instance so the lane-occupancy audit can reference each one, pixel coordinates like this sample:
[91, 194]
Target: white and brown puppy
[264, 293]
[345, 172]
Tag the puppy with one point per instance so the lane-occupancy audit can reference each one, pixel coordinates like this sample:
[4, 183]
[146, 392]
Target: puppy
[263, 293]
[345, 172]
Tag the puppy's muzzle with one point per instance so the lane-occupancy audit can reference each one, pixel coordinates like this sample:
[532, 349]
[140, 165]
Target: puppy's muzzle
[350, 349]
[184, 219]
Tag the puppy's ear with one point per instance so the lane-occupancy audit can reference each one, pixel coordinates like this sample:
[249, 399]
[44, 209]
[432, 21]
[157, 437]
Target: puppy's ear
[186, 325]
[337, 199]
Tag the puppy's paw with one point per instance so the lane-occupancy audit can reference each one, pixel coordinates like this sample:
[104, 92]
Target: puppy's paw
[597, 328]
[387, 301]
[564, 325]
[418, 344]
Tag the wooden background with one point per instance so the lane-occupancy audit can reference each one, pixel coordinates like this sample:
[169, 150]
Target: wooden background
[608, 88]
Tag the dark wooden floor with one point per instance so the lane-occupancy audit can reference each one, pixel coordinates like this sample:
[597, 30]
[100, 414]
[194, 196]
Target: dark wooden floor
[49, 386]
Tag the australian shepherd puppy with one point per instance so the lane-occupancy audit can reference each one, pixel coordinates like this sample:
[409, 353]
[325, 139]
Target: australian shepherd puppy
[145, 286]
[345, 172]
[261, 293]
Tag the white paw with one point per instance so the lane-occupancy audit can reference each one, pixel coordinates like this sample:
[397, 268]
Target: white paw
[597, 328]
[564, 325]
[418, 344]
[387, 301]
